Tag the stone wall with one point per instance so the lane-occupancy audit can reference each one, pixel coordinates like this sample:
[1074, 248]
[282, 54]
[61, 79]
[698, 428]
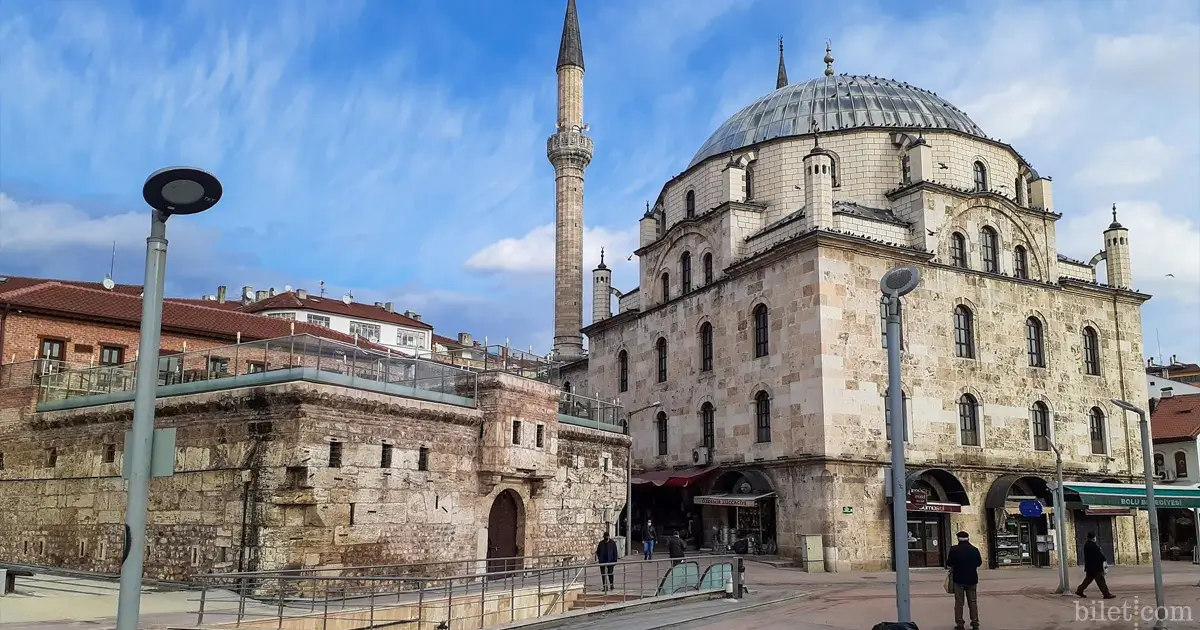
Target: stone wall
[415, 481]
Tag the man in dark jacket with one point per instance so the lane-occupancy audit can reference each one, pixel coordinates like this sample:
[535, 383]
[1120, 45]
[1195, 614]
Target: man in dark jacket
[675, 547]
[648, 540]
[607, 556]
[964, 561]
[1093, 567]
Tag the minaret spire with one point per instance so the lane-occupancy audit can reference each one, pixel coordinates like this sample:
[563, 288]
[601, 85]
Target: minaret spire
[570, 49]
[781, 77]
[569, 150]
[828, 59]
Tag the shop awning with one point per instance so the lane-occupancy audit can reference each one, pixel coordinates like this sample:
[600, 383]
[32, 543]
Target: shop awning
[732, 499]
[671, 478]
[1132, 495]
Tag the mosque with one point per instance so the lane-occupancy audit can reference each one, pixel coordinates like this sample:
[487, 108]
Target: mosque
[751, 356]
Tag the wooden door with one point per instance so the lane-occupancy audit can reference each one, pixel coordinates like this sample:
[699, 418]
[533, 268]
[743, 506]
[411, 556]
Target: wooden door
[503, 523]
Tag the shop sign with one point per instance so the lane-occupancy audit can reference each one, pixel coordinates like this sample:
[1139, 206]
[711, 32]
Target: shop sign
[1030, 509]
[918, 498]
[935, 507]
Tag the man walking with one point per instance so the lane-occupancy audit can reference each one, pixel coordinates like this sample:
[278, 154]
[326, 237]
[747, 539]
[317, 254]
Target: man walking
[1093, 567]
[675, 548]
[964, 561]
[607, 557]
[648, 536]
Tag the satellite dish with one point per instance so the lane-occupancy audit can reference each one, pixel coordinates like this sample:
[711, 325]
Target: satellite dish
[346, 299]
[900, 281]
[108, 283]
[248, 293]
[287, 288]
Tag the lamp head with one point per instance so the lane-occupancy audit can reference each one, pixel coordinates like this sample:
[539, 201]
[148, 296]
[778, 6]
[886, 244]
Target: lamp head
[181, 190]
[900, 281]
[1127, 406]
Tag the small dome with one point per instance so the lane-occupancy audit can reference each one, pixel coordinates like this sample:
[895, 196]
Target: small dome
[835, 102]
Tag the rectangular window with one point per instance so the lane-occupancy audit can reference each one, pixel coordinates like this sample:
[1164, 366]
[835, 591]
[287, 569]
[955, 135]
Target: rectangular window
[288, 316]
[254, 367]
[423, 458]
[51, 457]
[112, 355]
[516, 432]
[352, 506]
[318, 320]
[335, 454]
[110, 453]
[541, 436]
[385, 456]
[408, 339]
[905, 170]
[366, 330]
[706, 348]
[707, 421]
[1, 461]
[51, 356]
[219, 365]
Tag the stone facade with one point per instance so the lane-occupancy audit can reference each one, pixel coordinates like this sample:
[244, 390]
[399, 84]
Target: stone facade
[260, 484]
[814, 263]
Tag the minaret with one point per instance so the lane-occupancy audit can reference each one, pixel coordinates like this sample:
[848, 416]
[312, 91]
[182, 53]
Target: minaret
[1116, 246]
[570, 151]
[781, 76]
[601, 291]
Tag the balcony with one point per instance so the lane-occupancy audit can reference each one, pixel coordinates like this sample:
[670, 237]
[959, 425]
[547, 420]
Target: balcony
[590, 412]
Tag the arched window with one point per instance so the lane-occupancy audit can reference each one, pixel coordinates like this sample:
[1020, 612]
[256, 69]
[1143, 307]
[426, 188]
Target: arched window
[708, 415]
[1097, 432]
[905, 170]
[689, 204]
[706, 347]
[833, 172]
[1159, 462]
[685, 272]
[761, 333]
[666, 287]
[661, 425]
[708, 269]
[623, 371]
[981, 183]
[749, 183]
[958, 250]
[1035, 342]
[990, 245]
[661, 349]
[964, 333]
[968, 420]
[1181, 470]
[1020, 262]
[1091, 351]
[887, 415]
[1039, 415]
[762, 417]
[567, 386]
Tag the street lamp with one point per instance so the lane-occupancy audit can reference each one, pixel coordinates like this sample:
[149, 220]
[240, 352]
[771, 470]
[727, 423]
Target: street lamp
[175, 190]
[1148, 472]
[895, 284]
[1060, 518]
[629, 478]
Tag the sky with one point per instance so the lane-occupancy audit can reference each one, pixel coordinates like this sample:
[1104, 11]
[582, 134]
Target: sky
[396, 149]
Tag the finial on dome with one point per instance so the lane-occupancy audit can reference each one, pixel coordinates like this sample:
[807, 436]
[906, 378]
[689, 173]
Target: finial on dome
[781, 79]
[601, 265]
[828, 59]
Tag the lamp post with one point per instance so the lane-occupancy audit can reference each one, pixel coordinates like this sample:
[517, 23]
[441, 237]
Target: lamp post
[1148, 472]
[895, 284]
[169, 191]
[629, 478]
[1060, 527]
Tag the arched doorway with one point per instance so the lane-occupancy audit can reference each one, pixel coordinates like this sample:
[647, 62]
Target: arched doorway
[505, 525]
[1019, 536]
[933, 495]
[741, 509]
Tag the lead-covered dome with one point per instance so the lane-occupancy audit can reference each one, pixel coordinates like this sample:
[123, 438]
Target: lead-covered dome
[835, 102]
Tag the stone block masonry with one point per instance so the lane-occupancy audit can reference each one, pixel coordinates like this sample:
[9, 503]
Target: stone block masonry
[310, 475]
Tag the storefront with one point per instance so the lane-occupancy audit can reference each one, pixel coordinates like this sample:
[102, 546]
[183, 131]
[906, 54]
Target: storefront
[933, 495]
[1095, 504]
[741, 512]
[1178, 532]
[1019, 509]
[664, 497]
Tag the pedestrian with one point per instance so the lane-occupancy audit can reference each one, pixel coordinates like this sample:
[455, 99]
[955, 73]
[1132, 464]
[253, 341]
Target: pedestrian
[607, 557]
[1094, 562]
[648, 536]
[964, 561]
[675, 547]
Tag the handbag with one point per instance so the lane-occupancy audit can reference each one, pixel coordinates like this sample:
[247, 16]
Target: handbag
[949, 585]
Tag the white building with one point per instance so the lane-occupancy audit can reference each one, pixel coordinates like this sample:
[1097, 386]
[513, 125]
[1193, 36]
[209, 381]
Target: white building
[1175, 426]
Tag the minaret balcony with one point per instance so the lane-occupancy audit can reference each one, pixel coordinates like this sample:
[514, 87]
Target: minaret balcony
[569, 146]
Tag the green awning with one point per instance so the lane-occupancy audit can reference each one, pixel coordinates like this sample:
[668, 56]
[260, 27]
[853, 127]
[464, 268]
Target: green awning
[1132, 495]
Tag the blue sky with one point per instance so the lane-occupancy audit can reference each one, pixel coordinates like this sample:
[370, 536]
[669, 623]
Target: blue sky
[396, 149]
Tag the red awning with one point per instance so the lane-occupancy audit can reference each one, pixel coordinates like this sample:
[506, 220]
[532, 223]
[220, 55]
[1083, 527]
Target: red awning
[671, 478]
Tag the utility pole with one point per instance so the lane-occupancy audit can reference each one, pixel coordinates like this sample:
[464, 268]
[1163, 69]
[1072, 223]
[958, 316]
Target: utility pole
[1060, 527]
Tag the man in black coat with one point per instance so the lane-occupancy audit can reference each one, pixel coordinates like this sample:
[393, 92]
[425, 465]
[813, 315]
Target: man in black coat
[675, 547]
[1093, 567]
[607, 557]
[964, 561]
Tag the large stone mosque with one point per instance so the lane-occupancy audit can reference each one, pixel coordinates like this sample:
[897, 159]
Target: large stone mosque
[751, 357]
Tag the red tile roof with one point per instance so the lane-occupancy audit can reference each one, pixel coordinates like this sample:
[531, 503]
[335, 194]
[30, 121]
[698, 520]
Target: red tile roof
[1176, 418]
[192, 317]
[356, 310]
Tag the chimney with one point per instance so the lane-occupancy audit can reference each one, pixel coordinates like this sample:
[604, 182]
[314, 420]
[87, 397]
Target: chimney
[389, 307]
[221, 294]
[302, 294]
[247, 294]
[412, 315]
[260, 295]
[1166, 392]
[465, 339]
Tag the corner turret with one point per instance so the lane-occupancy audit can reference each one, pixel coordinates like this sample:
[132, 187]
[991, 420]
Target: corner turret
[1116, 249]
[601, 291]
